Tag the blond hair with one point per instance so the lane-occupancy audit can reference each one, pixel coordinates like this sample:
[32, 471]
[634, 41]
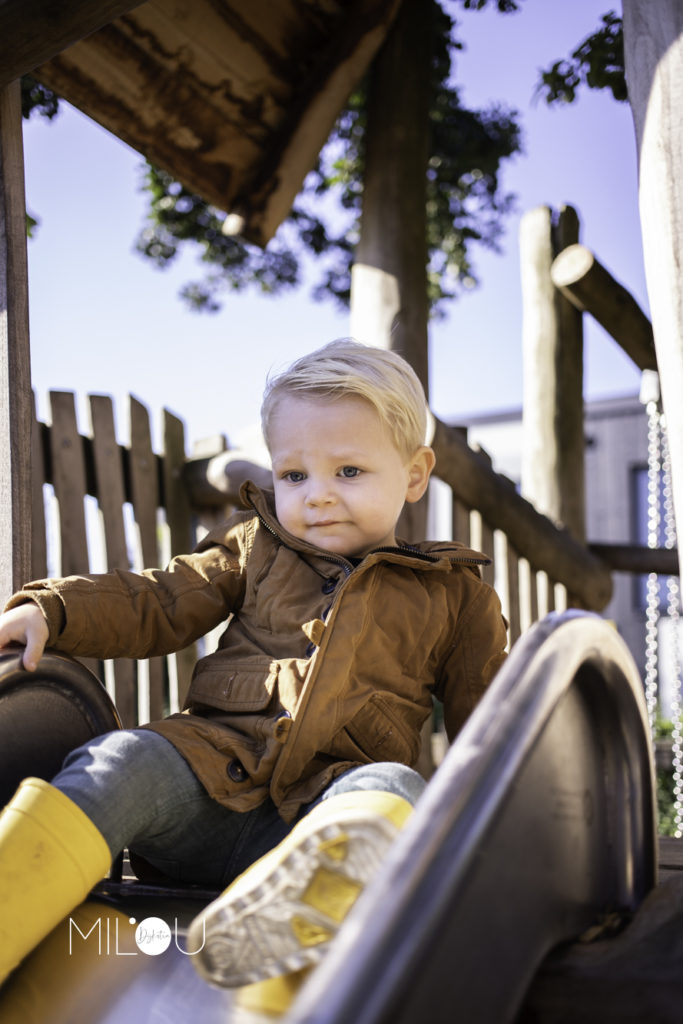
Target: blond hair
[346, 367]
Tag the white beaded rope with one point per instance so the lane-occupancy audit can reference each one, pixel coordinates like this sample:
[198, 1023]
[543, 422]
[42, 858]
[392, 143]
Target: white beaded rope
[661, 518]
[673, 611]
[653, 523]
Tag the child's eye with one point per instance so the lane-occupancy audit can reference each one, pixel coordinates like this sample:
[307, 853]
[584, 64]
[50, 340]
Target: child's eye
[294, 476]
[350, 471]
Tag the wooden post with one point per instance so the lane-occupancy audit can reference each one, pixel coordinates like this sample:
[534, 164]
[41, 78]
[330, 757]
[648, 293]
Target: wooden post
[15, 368]
[653, 50]
[389, 305]
[552, 332]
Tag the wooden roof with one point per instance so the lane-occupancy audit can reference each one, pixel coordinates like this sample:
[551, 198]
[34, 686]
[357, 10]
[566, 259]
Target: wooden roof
[235, 98]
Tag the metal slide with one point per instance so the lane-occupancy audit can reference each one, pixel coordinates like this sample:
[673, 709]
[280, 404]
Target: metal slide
[540, 819]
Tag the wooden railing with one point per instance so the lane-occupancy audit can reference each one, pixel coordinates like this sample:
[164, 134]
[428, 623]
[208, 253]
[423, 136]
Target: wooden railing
[536, 566]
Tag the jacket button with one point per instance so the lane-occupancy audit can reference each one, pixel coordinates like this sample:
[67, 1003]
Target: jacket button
[237, 771]
[283, 723]
[329, 585]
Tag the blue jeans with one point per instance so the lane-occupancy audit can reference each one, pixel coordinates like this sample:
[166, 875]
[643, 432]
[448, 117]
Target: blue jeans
[140, 793]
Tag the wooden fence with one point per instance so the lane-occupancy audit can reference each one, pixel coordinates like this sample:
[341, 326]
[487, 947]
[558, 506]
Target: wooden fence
[100, 505]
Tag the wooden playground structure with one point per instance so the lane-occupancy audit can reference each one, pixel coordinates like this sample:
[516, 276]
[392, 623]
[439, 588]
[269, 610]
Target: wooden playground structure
[543, 559]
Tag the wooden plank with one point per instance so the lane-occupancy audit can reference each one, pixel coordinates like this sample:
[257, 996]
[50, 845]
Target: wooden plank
[109, 480]
[15, 368]
[512, 566]
[561, 597]
[175, 494]
[544, 594]
[38, 477]
[145, 499]
[69, 482]
[33, 31]
[481, 536]
[528, 599]
[533, 596]
[110, 486]
[461, 522]
[179, 520]
[68, 479]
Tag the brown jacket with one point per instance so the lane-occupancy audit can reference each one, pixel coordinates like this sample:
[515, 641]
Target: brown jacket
[323, 665]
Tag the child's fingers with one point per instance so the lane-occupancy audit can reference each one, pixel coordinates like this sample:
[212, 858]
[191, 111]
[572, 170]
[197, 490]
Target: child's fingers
[11, 630]
[36, 638]
[25, 625]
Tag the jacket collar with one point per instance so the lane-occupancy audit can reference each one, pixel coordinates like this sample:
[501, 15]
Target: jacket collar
[425, 554]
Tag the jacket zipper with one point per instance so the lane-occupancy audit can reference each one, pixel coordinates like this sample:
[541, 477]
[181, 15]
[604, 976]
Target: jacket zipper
[346, 566]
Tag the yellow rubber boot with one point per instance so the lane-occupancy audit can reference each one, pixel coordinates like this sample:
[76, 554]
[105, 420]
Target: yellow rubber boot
[51, 855]
[281, 914]
[267, 1001]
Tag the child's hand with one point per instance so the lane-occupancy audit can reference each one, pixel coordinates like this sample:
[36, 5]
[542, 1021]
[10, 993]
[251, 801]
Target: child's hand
[25, 624]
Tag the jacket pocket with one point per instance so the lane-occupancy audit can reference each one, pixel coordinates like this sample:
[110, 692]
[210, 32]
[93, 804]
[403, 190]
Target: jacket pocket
[221, 684]
[383, 730]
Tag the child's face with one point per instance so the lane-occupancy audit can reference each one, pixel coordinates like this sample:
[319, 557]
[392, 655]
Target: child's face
[340, 482]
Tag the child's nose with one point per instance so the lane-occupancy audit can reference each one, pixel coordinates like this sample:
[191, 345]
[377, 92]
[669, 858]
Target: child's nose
[319, 492]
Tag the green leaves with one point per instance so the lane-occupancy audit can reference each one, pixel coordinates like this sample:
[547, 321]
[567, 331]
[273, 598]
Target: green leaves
[35, 96]
[597, 62]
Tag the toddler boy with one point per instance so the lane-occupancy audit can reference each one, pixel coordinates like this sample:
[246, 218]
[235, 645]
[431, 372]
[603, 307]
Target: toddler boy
[292, 767]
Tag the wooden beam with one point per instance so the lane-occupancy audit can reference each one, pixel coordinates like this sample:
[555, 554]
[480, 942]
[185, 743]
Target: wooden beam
[15, 368]
[592, 289]
[653, 51]
[532, 535]
[34, 31]
[637, 558]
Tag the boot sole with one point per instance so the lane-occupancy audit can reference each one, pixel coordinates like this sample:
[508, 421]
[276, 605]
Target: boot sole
[286, 920]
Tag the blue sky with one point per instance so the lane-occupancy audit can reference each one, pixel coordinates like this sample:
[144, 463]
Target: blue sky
[104, 320]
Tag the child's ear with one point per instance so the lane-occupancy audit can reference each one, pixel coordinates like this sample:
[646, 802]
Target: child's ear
[419, 471]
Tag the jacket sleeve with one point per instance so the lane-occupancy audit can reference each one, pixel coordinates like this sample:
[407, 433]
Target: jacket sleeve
[140, 615]
[476, 652]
